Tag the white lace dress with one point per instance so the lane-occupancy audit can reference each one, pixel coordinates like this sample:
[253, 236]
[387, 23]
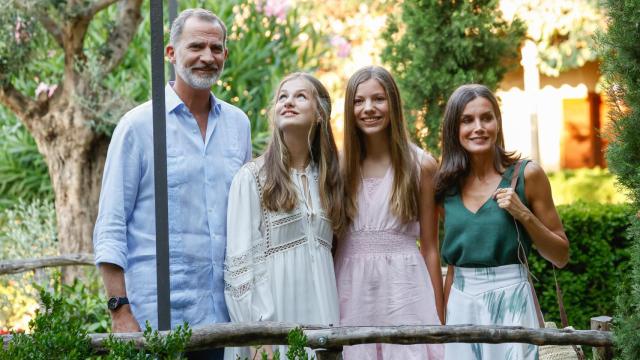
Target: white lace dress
[278, 265]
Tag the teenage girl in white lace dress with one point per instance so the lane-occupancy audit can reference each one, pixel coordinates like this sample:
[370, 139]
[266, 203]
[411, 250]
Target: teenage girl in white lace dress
[283, 210]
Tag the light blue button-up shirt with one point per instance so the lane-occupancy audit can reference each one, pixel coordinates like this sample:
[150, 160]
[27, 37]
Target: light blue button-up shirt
[199, 174]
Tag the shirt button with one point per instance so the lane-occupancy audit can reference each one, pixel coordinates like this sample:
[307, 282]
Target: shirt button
[210, 210]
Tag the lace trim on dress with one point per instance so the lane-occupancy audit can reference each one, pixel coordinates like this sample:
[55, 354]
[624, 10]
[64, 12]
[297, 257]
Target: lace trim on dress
[254, 255]
[268, 224]
[266, 227]
[241, 290]
[325, 244]
[287, 220]
[239, 265]
[287, 246]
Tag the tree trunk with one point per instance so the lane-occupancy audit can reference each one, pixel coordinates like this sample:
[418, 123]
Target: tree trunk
[75, 155]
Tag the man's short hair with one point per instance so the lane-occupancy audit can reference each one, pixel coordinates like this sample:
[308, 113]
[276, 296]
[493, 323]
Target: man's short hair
[178, 24]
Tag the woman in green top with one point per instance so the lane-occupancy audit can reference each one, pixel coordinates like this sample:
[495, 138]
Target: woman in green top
[489, 226]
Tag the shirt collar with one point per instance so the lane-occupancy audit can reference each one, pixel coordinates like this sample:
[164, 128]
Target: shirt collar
[173, 101]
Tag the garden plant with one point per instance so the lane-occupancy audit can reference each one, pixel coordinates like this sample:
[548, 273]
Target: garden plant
[465, 42]
[620, 51]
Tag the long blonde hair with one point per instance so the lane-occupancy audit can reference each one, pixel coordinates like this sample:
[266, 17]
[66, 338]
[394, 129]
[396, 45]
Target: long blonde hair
[279, 193]
[404, 197]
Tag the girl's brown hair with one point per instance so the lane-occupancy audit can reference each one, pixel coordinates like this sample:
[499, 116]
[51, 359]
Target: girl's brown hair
[455, 166]
[279, 193]
[404, 196]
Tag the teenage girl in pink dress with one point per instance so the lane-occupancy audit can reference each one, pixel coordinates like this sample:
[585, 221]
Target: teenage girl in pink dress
[383, 278]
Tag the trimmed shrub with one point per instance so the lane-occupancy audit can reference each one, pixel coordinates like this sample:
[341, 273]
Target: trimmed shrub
[588, 185]
[599, 257]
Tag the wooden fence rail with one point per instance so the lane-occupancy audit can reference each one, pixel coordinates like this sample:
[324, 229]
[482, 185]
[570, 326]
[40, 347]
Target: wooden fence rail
[247, 334]
[332, 339]
[18, 266]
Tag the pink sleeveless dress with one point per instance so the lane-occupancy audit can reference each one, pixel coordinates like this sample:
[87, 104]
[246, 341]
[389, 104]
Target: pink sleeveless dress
[382, 278]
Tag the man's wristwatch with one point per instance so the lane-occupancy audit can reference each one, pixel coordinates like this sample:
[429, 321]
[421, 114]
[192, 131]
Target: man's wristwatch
[115, 302]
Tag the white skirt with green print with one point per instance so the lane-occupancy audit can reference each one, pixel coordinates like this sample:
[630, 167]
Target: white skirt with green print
[491, 296]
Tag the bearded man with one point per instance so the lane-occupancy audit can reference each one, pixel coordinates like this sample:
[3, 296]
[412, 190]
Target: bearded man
[208, 140]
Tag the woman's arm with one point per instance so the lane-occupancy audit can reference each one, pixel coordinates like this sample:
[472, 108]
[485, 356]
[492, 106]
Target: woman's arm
[542, 221]
[428, 218]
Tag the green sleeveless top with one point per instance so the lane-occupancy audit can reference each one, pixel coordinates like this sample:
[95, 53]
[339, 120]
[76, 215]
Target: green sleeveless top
[488, 237]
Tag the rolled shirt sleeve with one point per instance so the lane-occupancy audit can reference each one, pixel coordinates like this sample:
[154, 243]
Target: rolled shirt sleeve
[120, 183]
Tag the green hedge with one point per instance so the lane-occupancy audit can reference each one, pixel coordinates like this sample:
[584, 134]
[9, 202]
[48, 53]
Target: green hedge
[599, 254]
[590, 185]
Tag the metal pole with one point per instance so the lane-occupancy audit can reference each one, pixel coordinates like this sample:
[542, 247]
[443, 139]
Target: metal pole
[160, 165]
[173, 14]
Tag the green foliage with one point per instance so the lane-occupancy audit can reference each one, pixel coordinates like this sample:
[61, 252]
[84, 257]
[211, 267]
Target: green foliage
[169, 347]
[588, 185]
[26, 230]
[23, 172]
[436, 46]
[627, 316]
[59, 331]
[563, 31]
[53, 334]
[620, 51]
[599, 258]
[86, 300]
[81, 300]
[297, 341]
[29, 56]
[16, 33]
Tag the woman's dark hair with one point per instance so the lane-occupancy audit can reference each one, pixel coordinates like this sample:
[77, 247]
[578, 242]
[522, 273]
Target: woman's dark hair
[455, 164]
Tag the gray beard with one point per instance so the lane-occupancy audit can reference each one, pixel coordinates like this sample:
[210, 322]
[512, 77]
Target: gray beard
[196, 81]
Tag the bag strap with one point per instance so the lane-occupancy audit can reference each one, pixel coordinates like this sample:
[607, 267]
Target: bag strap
[516, 174]
[563, 313]
[523, 259]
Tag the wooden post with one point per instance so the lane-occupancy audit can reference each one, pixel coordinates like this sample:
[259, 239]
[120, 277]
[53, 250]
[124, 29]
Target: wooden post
[330, 354]
[602, 323]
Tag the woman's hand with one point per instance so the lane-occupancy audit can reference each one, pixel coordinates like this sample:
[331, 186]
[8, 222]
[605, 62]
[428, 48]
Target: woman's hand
[510, 201]
[540, 220]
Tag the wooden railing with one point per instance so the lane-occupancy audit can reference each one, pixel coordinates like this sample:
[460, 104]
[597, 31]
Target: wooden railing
[18, 266]
[329, 340]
